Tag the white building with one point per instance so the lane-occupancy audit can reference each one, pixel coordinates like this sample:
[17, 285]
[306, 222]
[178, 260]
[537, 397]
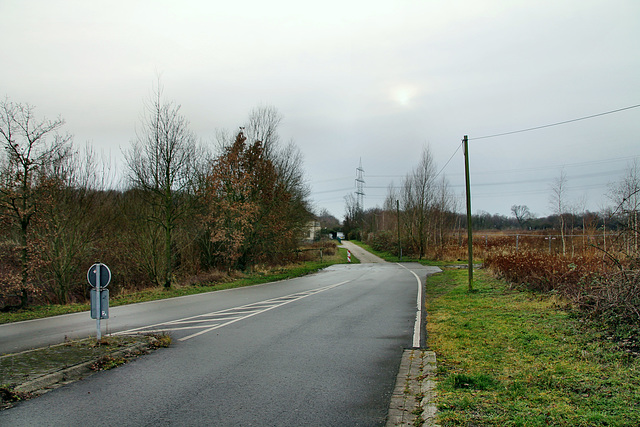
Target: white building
[313, 231]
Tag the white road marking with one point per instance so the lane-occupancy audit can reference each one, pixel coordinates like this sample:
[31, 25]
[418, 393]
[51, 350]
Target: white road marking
[211, 321]
[418, 324]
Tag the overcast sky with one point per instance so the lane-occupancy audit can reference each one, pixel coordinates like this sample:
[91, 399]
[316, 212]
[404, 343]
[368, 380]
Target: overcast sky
[371, 80]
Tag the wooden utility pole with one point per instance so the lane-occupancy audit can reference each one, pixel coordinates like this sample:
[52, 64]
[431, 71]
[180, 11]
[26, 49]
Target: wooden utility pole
[399, 246]
[465, 141]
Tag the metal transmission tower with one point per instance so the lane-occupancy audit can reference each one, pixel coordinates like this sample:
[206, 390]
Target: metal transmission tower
[360, 187]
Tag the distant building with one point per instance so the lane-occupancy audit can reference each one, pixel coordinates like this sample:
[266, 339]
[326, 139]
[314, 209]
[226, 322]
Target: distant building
[338, 235]
[313, 231]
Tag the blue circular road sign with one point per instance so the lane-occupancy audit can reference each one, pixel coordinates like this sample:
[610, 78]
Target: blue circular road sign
[105, 275]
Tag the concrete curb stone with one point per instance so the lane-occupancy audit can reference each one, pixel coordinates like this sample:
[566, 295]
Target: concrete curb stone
[49, 381]
[413, 399]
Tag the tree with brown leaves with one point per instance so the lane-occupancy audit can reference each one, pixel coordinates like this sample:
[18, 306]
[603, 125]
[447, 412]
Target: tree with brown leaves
[32, 148]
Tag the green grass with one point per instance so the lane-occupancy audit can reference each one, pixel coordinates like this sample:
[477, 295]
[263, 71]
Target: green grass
[511, 358]
[288, 272]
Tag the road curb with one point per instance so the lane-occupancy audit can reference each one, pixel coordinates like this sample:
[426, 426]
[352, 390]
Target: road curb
[413, 399]
[52, 380]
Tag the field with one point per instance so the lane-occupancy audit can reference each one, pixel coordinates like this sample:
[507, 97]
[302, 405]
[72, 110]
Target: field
[510, 357]
[549, 336]
[597, 275]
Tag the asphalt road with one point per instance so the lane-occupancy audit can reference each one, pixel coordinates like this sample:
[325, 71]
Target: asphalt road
[321, 350]
[362, 255]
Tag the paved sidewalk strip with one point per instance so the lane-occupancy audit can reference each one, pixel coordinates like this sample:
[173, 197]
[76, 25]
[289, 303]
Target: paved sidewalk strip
[413, 399]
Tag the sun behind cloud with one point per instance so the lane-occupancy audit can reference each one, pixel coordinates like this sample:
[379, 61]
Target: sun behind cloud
[402, 95]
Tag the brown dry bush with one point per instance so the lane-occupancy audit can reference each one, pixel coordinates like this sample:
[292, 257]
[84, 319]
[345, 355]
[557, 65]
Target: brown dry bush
[9, 276]
[452, 251]
[306, 255]
[614, 300]
[546, 272]
[329, 247]
[207, 278]
[603, 290]
[311, 252]
[383, 241]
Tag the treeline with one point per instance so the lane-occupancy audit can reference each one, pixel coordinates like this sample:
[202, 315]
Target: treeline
[421, 217]
[183, 211]
[418, 217]
[587, 219]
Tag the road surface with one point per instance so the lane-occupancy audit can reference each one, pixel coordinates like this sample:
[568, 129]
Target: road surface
[365, 257]
[321, 350]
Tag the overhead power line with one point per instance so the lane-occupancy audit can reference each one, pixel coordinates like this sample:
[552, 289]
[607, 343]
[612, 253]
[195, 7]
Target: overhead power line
[557, 166]
[332, 191]
[450, 158]
[556, 124]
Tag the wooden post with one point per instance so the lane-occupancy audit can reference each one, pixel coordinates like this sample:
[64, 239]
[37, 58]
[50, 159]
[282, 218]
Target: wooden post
[399, 246]
[465, 141]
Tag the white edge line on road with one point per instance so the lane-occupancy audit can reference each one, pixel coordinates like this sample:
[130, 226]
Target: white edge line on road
[418, 324]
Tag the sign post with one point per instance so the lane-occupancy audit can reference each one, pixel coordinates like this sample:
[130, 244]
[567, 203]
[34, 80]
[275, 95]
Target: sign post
[99, 277]
[99, 315]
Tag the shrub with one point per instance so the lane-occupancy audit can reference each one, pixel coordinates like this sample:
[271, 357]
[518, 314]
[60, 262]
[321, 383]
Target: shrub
[329, 247]
[545, 272]
[207, 278]
[604, 292]
[614, 300]
[384, 241]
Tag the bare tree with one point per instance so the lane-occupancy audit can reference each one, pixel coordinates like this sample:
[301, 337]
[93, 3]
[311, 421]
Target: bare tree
[391, 204]
[327, 220]
[558, 203]
[263, 126]
[70, 226]
[626, 196]
[522, 214]
[391, 199]
[163, 163]
[31, 148]
[419, 195]
[445, 205]
[353, 216]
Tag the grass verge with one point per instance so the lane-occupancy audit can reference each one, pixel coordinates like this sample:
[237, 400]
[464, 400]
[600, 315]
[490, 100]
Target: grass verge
[282, 273]
[512, 358]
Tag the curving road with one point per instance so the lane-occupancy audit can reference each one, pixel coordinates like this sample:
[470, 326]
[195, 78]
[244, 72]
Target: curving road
[321, 350]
